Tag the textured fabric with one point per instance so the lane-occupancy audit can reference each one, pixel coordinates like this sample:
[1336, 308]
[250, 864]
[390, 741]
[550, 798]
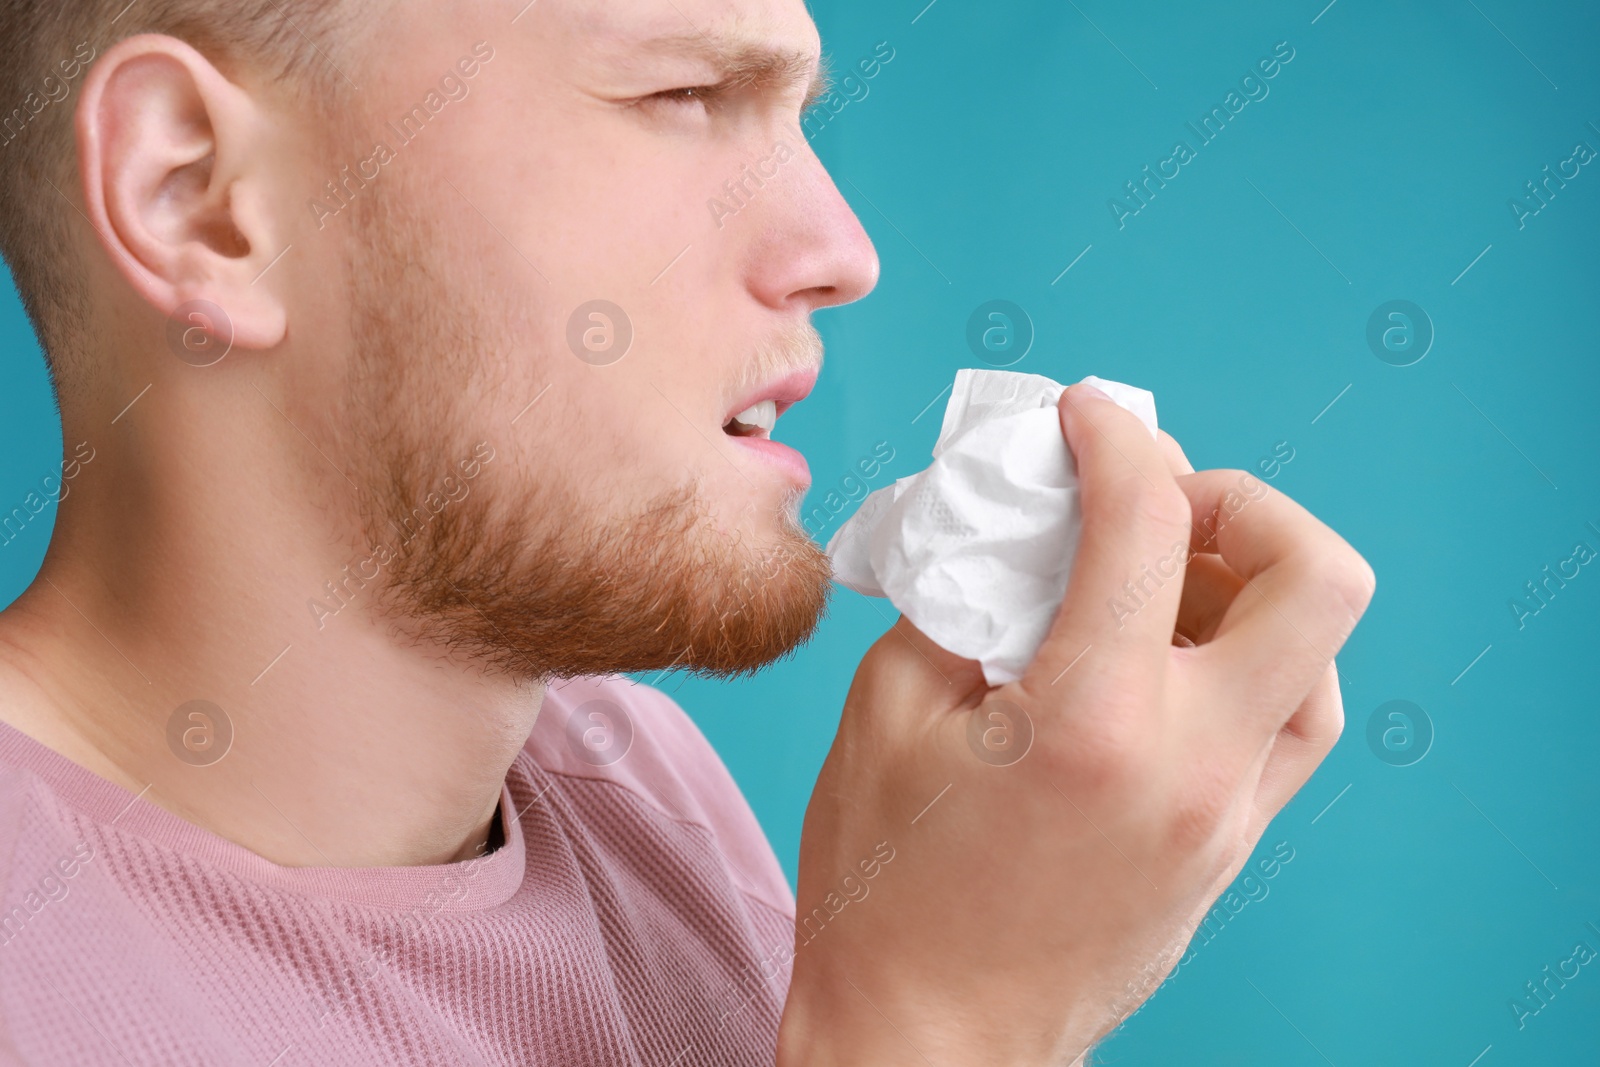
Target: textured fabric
[635, 915]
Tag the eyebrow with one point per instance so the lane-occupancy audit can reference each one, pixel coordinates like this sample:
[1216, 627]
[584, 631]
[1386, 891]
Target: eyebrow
[743, 62]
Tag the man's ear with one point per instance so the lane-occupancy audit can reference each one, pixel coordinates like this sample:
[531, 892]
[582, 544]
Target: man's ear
[176, 186]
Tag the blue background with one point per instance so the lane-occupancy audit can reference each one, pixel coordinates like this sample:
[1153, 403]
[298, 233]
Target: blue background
[1379, 167]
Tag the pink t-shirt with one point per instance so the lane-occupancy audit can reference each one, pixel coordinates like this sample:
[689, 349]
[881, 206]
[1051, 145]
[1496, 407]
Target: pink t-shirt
[634, 915]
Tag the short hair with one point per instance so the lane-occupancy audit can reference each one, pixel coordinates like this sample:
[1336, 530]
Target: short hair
[45, 49]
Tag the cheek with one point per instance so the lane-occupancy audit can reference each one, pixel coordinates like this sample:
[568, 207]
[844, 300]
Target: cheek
[612, 315]
[616, 203]
[608, 447]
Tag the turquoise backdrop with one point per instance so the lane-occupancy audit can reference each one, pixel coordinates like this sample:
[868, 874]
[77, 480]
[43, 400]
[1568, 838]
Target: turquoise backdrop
[1446, 853]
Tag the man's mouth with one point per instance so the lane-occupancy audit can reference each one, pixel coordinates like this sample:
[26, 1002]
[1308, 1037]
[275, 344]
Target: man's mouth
[757, 420]
[756, 413]
[760, 407]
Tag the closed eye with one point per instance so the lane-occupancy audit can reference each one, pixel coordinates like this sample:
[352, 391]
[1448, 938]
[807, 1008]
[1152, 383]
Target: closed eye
[703, 95]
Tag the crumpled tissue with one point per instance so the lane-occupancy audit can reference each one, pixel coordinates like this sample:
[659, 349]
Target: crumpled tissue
[976, 549]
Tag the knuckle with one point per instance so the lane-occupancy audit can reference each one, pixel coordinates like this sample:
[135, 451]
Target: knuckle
[1314, 738]
[1351, 580]
[1319, 724]
[1331, 728]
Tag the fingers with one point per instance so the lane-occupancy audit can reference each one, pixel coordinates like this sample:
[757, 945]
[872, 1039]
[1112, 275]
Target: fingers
[1177, 462]
[1185, 634]
[1126, 580]
[1209, 587]
[1280, 769]
[1304, 588]
[1299, 749]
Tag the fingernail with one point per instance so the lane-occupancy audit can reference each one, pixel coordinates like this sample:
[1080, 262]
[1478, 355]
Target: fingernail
[1086, 389]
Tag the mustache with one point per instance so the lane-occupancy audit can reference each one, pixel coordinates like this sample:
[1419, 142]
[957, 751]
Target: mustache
[795, 347]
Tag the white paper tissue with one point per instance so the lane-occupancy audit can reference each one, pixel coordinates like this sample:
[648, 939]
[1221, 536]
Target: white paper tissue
[976, 549]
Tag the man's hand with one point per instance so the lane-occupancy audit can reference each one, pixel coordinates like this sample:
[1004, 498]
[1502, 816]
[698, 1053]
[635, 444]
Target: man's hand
[1052, 843]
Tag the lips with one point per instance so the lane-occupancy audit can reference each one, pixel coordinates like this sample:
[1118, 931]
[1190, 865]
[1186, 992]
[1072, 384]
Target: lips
[756, 413]
[753, 416]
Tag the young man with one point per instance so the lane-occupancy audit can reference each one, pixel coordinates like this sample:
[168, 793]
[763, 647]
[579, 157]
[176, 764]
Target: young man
[411, 393]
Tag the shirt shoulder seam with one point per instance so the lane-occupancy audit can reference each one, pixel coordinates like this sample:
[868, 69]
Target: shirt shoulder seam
[656, 805]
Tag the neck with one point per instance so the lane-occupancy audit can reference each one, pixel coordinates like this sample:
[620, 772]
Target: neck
[350, 746]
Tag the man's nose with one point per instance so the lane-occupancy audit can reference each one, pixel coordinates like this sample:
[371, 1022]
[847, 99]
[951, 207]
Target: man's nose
[812, 248]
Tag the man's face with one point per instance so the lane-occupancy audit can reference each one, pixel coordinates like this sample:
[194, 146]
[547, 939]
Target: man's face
[580, 258]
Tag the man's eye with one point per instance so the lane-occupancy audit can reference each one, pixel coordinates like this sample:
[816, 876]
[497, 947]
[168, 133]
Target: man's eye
[704, 95]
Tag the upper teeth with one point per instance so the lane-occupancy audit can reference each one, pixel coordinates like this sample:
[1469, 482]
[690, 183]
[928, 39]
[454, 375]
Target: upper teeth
[762, 415]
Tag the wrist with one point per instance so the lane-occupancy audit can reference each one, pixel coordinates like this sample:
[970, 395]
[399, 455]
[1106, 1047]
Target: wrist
[833, 1023]
[872, 1019]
